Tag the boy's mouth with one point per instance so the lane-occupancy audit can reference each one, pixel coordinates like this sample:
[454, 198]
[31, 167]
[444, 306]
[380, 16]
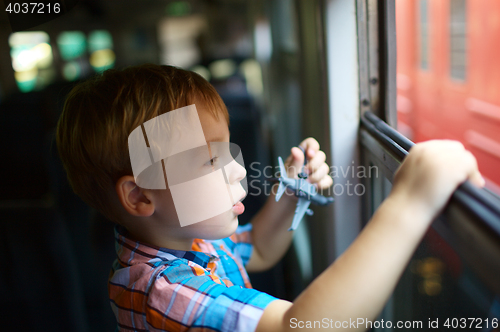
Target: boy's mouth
[238, 208]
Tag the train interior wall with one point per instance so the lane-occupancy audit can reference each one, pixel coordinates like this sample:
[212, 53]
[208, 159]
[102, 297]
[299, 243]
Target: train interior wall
[58, 252]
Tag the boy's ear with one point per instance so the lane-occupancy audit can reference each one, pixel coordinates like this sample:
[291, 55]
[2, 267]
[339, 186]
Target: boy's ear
[133, 198]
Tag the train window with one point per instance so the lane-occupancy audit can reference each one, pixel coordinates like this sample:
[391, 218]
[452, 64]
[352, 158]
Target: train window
[424, 34]
[458, 38]
[448, 103]
[454, 271]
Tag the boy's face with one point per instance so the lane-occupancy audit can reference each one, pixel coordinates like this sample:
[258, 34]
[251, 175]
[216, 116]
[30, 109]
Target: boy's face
[203, 183]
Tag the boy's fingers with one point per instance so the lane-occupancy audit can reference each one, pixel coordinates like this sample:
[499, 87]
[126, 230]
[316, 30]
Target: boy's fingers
[465, 164]
[319, 174]
[311, 146]
[315, 159]
[474, 176]
[316, 162]
[294, 162]
[325, 182]
[477, 179]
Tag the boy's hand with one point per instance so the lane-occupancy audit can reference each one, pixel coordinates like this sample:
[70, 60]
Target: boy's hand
[365, 275]
[271, 238]
[316, 167]
[431, 172]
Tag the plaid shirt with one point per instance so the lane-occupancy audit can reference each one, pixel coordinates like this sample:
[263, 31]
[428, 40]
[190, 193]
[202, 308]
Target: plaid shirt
[206, 289]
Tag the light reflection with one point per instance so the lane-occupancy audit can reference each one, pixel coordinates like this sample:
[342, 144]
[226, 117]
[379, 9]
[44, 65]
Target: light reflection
[32, 57]
[222, 69]
[431, 270]
[102, 59]
[72, 71]
[252, 72]
[202, 71]
[72, 44]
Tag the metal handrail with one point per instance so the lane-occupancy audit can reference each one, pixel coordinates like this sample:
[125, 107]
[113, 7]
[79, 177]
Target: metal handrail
[483, 206]
[470, 222]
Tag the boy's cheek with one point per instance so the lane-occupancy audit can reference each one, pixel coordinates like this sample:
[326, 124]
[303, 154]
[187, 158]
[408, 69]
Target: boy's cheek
[201, 199]
[238, 192]
[152, 177]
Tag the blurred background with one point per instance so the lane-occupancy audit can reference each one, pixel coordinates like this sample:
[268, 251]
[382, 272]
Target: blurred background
[448, 77]
[58, 252]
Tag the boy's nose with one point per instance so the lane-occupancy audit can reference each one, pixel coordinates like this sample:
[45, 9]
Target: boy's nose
[236, 172]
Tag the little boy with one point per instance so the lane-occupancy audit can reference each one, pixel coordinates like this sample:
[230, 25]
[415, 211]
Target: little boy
[178, 274]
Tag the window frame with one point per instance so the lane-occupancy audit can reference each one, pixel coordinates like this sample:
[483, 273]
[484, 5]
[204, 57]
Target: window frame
[470, 222]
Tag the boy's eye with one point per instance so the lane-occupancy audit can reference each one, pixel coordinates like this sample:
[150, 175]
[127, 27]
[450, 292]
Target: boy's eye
[211, 162]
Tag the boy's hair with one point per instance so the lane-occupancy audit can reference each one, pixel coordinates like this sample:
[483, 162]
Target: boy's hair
[99, 114]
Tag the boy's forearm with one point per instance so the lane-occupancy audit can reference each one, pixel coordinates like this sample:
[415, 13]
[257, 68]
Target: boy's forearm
[271, 238]
[359, 282]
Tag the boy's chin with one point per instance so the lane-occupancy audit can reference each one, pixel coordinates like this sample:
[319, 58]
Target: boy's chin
[221, 231]
[215, 228]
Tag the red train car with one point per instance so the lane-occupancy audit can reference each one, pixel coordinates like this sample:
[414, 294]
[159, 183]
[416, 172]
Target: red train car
[449, 75]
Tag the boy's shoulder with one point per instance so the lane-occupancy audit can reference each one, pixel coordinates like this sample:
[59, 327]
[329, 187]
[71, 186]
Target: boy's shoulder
[176, 288]
[224, 259]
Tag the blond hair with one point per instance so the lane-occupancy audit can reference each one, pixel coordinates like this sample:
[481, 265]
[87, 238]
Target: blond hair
[99, 114]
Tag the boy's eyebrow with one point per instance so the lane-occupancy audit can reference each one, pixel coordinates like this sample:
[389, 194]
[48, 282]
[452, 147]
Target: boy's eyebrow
[216, 138]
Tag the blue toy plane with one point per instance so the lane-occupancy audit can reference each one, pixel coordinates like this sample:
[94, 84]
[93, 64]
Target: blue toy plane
[305, 191]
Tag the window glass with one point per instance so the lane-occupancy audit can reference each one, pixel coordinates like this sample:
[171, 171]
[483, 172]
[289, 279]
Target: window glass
[457, 96]
[424, 34]
[457, 39]
[450, 282]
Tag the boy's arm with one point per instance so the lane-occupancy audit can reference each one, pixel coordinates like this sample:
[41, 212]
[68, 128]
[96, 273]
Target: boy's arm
[270, 234]
[360, 281]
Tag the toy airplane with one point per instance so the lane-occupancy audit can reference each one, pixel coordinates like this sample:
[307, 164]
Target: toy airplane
[305, 191]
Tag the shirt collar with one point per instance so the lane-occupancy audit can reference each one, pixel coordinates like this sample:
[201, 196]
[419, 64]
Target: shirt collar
[133, 252]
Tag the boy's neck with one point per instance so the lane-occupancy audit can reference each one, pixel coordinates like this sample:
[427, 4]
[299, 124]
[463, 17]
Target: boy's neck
[159, 239]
